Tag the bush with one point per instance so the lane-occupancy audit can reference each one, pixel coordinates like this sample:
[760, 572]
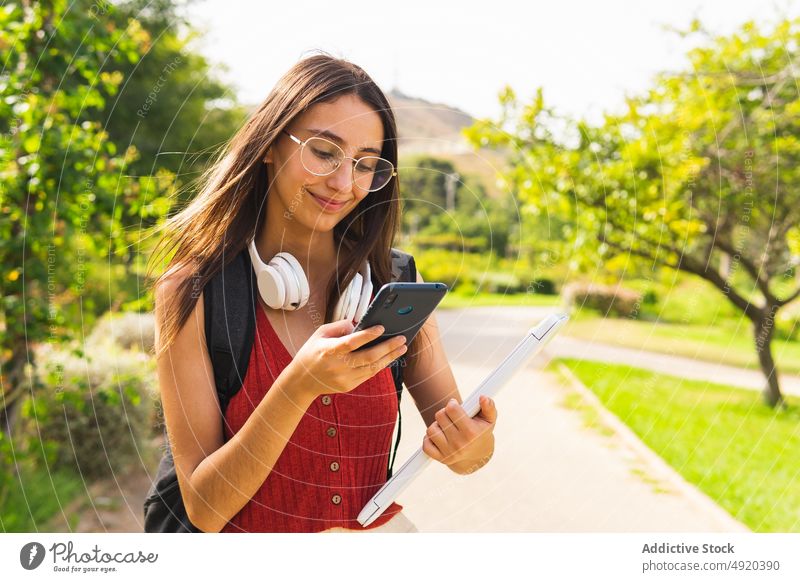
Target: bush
[92, 412]
[650, 297]
[451, 242]
[455, 269]
[607, 300]
[127, 330]
[7, 466]
[542, 287]
[500, 282]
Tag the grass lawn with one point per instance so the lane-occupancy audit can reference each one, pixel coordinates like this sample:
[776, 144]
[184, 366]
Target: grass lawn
[456, 301]
[726, 342]
[44, 496]
[722, 439]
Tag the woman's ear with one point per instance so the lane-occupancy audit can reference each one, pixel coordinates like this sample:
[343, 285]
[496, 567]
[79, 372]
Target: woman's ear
[268, 156]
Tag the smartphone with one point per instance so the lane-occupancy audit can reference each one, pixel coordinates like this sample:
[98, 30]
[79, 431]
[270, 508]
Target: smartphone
[402, 309]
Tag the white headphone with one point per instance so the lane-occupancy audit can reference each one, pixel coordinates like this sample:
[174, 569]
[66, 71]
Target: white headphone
[283, 285]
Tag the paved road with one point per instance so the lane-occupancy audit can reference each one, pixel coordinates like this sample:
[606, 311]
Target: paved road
[501, 328]
[550, 473]
[688, 368]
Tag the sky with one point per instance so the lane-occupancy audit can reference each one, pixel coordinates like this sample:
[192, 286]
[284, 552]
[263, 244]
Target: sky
[586, 55]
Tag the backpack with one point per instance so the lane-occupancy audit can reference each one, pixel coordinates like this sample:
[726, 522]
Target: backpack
[230, 318]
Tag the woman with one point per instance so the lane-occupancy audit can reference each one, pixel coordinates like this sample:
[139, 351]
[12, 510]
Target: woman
[306, 439]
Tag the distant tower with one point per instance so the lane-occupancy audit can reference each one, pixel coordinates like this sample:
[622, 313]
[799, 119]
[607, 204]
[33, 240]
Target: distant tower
[450, 182]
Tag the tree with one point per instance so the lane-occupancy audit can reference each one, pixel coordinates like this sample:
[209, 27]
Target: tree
[173, 110]
[470, 221]
[700, 174]
[61, 194]
[423, 187]
[170, 107]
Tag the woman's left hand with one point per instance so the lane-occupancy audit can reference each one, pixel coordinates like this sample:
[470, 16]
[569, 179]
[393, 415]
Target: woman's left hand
[462, 443]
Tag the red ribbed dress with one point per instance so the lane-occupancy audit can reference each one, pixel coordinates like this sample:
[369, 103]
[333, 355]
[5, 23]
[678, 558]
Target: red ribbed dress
[336, 459]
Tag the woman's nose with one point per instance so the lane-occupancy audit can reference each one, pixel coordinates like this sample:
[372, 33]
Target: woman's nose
[342, 179]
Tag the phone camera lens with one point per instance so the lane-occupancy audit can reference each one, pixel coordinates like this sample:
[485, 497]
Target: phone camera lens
[390, 299]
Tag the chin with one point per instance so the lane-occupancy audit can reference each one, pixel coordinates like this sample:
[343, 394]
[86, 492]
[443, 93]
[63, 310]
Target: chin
[320, 222]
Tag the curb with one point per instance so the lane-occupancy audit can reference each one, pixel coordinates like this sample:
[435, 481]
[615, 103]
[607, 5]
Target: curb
[658, 467]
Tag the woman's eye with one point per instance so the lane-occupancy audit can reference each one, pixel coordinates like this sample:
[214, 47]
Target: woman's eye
[365, 167]
[323, 154]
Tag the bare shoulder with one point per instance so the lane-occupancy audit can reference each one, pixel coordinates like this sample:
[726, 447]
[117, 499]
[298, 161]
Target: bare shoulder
[189, 340]
[186, 383]
[168, 286]
[166, 294]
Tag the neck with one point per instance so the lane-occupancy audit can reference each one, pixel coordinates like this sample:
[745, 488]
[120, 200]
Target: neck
[315, 251]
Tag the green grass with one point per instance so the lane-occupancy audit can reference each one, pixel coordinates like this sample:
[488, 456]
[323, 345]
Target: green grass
[724, 440]
[41, 501]
[456, 301]
[726, 342]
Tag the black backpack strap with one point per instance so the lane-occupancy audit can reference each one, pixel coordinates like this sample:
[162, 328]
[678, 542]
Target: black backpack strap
[229, 309]
[230, 323]
[403, 269]
[164, 511]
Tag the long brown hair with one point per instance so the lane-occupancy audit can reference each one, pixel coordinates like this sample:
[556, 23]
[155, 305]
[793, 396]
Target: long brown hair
[218, 223]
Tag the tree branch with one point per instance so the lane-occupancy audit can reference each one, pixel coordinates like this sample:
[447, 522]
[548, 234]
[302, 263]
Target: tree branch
[750, 267]
[789, 299]
[690, 265]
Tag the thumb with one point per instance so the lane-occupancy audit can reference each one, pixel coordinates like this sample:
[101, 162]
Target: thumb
[488, 411]
[336, 328]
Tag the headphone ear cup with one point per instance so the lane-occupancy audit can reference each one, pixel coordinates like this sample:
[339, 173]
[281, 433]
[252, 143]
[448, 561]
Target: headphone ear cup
[297, 291]
[338, 312]
[289, 281]
[269, 281]
[355, 293]
[366, 294]
[271, 287]
[343, 304]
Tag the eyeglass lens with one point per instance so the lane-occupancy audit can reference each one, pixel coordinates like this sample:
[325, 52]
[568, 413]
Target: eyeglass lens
[323, 157]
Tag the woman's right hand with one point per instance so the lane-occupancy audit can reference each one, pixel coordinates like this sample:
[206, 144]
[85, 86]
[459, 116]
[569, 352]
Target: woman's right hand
[328, 363]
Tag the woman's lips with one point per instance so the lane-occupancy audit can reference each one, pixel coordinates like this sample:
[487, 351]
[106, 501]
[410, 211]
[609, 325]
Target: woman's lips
[327, 203]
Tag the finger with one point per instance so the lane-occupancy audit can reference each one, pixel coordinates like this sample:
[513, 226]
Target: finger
[436, 434]
[386, 359]
[488, 411]
[430, 449]
[339, 328]
[454, 417]
[377, 352]
[356, 340]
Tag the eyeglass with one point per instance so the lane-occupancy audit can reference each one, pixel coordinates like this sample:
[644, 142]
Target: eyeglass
[322, 157]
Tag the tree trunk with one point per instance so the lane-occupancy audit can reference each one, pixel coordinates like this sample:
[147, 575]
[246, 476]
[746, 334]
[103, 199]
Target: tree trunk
[764, 329]
[15, 390]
